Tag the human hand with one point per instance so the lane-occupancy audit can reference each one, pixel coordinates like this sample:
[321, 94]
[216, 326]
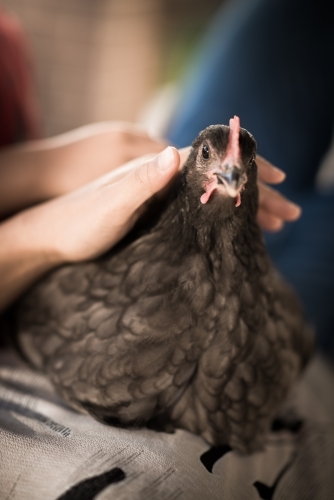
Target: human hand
[84, 154]
[274, 208]
[79, 225]
[88, 221]
[36, 171]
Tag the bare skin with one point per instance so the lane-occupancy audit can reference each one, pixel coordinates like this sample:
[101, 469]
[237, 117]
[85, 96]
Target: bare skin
[85, 200]
[39, 170]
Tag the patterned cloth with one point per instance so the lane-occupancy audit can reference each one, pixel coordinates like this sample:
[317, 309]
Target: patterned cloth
[50, 452]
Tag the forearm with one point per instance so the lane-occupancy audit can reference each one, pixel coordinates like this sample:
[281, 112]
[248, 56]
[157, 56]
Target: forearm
[41, 170]
[21, 178]
[24, 256]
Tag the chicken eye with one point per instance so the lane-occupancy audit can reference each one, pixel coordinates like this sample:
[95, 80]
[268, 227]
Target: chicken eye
[251, 161]
[205, 152]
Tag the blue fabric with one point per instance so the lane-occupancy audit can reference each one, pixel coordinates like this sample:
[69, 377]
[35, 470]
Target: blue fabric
[271, 63]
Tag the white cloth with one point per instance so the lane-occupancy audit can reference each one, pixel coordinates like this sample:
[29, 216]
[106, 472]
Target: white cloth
[49, 452]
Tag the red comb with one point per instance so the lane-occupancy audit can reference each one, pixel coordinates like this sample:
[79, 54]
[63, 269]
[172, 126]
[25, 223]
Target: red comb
[233, 150]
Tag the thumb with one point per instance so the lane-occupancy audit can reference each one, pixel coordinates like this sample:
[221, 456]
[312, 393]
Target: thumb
[151, 176]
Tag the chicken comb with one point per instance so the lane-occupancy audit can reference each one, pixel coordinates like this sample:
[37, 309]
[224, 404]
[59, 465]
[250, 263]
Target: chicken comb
[233, 150]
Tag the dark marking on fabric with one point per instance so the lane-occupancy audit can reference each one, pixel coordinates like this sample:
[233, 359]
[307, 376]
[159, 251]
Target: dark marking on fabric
[89, 488]
[210, 457]
[267, 492]
[292, 425]
[34, 415]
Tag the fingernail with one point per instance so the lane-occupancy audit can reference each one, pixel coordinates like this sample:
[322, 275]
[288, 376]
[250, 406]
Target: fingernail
[165, 159]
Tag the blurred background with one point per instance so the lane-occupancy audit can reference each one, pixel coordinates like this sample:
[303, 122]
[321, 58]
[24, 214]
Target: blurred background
[109, 59]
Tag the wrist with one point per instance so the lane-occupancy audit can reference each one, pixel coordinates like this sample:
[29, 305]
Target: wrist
[25, 255]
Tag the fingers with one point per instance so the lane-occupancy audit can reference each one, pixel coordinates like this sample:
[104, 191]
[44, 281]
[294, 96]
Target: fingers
[122, 171]
[127, 198]
[99, 214]
[274, 202]
[269, 173]
[274, 209]
[149, 177]
[125, 169]
[134, 140]
[268, 221]
[140, 143]
[142, 178]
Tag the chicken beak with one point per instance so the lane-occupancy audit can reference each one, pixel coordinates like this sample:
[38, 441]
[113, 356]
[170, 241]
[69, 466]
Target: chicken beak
[232, 178]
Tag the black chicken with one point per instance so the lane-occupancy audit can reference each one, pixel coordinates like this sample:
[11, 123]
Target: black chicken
[185, 324]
